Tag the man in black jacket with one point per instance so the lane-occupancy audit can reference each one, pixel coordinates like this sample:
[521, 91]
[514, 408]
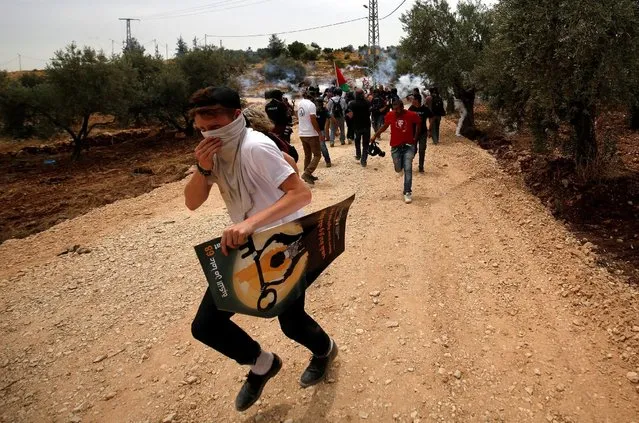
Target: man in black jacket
[359, 111]
[379, 107]
[278, 112]
[425, 114]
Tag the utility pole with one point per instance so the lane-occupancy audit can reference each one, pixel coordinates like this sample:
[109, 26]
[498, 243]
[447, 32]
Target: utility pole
[167, 51]
[205, 37]
[128, 30]
[112, 47]
[221, 44]
[20, 62]
[373, 35]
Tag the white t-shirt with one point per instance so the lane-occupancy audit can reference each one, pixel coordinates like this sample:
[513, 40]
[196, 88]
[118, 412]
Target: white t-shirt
[264, 169]
[305, 109]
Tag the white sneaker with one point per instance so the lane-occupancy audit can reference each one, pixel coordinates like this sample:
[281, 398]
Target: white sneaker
[408, 198]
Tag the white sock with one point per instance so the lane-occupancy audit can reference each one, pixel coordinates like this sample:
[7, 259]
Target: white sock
[330, 348]
[263, 363]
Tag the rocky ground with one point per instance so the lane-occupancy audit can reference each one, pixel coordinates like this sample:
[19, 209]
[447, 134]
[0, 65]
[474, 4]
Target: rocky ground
[471, 304]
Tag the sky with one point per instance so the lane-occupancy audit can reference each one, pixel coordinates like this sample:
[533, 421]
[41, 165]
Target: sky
[35, 29]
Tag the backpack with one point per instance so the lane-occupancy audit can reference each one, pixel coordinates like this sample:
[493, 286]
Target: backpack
[338, 112]
[438, 106]
[284, 146]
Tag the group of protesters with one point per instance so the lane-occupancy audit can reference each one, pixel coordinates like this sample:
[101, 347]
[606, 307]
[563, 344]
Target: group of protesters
[326, 116]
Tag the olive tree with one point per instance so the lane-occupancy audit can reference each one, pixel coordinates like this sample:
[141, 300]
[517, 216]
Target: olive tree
[566, 61]
[448, 45]
[78, 84]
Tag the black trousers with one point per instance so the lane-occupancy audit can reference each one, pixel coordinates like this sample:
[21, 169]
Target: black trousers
[350, 132]
[215, 328]
[362, 140]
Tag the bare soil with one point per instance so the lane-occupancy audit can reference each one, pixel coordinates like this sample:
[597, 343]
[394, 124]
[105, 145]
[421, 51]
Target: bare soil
[43, 186]
[604, 209]
[471, 304]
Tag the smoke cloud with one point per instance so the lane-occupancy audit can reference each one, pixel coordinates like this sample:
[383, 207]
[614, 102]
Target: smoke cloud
[385, 72]
[406, 83]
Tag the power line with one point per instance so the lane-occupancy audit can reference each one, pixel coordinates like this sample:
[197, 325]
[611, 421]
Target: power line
[9, 61]
[305, 29]
[171, 16]
[289, 32]
[35, 58]
[189, 9]
[394, 10]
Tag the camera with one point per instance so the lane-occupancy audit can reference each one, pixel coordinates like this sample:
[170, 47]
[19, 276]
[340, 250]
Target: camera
[374, 150]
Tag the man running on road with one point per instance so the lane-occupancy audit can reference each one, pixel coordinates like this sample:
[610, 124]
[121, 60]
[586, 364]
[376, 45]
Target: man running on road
[403, 139]
[260, 189]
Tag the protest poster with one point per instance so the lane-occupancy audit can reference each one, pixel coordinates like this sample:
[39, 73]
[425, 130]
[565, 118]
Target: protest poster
[274, 267]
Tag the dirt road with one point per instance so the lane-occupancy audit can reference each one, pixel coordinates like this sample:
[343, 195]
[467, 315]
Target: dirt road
[471, 304]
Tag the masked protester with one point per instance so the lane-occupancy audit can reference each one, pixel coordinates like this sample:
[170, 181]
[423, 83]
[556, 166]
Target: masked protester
[405, 128]
[260, 189]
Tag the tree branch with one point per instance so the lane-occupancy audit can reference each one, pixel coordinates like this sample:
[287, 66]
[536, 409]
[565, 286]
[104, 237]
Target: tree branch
[59, 124]
[99, 124]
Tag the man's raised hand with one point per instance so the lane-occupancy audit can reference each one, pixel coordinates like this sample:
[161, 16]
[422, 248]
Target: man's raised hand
[205, 151]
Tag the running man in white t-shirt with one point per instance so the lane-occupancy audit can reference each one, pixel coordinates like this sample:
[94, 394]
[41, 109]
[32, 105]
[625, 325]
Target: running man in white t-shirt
[260, 189]
[310, 135]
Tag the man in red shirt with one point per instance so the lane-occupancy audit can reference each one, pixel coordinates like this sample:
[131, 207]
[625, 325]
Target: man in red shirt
[405, 129]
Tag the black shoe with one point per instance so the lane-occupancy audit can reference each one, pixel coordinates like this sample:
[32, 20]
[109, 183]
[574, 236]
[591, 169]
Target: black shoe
[328, 164]
[317, 368]
[252, 388]
[421, 170]
[363, 164]
[358, 157]
[308, 179]
[315, 178]
[343, 143]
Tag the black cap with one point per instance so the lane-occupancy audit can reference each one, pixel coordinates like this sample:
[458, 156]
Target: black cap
[213, 96]
[277, 94]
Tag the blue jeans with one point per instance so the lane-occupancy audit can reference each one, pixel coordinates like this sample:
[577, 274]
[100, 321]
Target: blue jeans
[403, 156]
[327, 157]
[342, 134]
[378, 122]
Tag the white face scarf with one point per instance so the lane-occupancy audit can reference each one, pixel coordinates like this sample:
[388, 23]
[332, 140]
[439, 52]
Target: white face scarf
[227, 168]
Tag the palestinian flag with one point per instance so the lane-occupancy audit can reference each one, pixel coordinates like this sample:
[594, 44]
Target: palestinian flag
[341, 81]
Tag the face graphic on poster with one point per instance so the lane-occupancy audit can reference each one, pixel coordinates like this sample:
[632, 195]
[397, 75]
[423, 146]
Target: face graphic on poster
[268, 267]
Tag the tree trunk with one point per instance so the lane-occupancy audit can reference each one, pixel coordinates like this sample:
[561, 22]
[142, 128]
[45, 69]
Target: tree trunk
[634, 115]
[77, 147]
[78, 140]
[189, 131]
[468, 130]
[450, 104]
[583, 123]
